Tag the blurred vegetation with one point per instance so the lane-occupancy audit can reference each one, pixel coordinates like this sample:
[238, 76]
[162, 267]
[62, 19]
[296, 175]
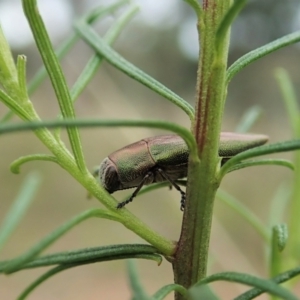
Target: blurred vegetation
[112, 95]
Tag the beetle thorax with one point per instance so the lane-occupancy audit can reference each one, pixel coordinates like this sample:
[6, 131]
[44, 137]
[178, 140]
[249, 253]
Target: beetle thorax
[132, 163]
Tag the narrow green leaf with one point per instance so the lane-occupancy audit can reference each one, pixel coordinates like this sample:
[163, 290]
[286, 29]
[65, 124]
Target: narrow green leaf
[225, 24]
[201, 292]
[196, 7]
[262, 162]
[48, 56]
[90, 18]
[290, 100]
[102, 11]
[292, 107]
[138, 291]
[14, 106]
[67, 266]
[264, 284]
[154, 257]
[249, 119]
[89, 255]
[41, 74]
[41, 279]
[246, 214]
[183, 132]
[259, 151]
[283, 277]
[102, 48]
[96, 60]
[56, 76]
[8, 74]
[167, 289]
[93, 64]
[254, 55]
[15, 165]
[20, 206]
[7, 116]
[18, 262]
[279, 204]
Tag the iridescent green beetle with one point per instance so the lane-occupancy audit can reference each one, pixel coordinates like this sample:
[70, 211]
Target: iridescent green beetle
[162, 158]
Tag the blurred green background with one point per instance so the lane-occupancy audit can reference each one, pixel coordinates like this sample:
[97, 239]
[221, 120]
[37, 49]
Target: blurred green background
[161, 40]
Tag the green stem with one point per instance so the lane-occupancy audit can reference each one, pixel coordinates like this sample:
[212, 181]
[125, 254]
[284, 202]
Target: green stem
[65, 159]
[8, 71]
[129, 220]
[191, 257]
[56, 76]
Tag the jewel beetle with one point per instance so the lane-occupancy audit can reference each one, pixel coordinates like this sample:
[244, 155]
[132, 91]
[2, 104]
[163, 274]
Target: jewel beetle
[162, 158]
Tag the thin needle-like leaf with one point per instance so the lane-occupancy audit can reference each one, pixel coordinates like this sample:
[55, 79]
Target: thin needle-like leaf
[254, 55]
[122, 64]
[93, 64]
[167, 289]
[268, 286]
[283, 277]
[138, 291]
[183, 132]
[249, 119]
[262, 162]
[20, 206]
[259, 151]
[56, 76]
[290, 100]
[16, 263]
[247, 214]
[15, 165]
[104, 253]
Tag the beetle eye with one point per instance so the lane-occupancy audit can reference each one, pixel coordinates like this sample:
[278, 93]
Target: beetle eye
[108, 176]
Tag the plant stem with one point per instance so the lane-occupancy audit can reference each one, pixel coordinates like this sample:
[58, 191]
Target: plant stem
[191, 257]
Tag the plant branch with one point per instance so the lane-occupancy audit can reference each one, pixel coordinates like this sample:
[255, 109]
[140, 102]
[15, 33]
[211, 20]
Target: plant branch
[192, 251]
[56, 76]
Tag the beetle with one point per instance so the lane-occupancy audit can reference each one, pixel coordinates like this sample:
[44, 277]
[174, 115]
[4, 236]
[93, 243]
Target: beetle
[162, 158]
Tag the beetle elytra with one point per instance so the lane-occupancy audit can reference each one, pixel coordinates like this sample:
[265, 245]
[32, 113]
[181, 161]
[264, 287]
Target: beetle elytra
[162, 158]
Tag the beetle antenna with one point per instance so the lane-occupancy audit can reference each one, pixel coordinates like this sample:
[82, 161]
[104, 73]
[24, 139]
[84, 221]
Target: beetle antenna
[176, 186]
[134, 194]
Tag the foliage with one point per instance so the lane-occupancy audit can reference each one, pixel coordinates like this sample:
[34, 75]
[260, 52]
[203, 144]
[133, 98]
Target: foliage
[214, 22]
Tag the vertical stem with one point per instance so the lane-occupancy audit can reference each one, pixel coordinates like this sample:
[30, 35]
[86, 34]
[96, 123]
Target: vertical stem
[293, 247]
[290, 257]
[191, 257]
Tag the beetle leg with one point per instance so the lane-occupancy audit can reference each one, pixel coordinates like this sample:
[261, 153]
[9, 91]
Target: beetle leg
[176, 186]
[134, 194]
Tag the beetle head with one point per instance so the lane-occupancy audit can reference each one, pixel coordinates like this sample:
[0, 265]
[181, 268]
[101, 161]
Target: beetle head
[108, 176]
